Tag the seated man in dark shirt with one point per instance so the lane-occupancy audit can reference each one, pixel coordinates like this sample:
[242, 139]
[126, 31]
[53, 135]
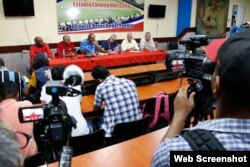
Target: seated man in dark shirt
[110, 44]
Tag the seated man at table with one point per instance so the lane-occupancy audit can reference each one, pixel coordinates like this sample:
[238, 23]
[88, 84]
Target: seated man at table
[129, 44]
[147, 42]
[65, 48]
[119, 96]
[230, 86]
[39, 48]
[110, 44]
[89, 45]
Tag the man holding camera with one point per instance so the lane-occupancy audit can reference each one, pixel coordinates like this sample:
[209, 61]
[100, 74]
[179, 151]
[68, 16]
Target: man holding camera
[9, 106]
[230, 86]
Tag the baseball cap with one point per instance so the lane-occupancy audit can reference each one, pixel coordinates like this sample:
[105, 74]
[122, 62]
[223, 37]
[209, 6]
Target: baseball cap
[232, 61]
[213, 47]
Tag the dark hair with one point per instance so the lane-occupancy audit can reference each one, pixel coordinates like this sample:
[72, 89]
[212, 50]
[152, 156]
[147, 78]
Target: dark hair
[39, 61]
[8, 90]
[57, 72]
[2, 62]
[100, 72]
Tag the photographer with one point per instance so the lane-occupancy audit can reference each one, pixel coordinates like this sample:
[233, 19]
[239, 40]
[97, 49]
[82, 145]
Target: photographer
[9, 112]
[73, 104]
[230, 86]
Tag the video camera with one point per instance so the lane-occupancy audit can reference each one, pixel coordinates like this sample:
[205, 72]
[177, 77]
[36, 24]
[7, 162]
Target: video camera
[198, 68]
[52, 123]
[53, 117]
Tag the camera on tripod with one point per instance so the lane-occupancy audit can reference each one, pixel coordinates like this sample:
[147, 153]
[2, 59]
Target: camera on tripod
[197, 67]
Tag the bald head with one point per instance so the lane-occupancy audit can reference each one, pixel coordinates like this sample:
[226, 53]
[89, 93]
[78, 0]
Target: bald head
[66, 39]
[38, 41]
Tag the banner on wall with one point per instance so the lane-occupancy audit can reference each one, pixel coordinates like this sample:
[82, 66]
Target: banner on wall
[75, 16]
[211, 18]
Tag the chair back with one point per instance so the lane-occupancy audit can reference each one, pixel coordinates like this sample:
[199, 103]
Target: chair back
[129, 130]
[87, 143]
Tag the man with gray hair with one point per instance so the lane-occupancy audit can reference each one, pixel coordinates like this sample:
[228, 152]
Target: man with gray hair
[110, 44]
[65, 48]
[147, 43]
[129, 44]
[9, 152]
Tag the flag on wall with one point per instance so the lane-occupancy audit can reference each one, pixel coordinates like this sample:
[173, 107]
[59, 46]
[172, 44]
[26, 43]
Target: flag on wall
[100, 15]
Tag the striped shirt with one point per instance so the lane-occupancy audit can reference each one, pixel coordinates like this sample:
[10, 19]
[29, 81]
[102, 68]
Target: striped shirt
[234, 135]
[16, 77]
[121, 102]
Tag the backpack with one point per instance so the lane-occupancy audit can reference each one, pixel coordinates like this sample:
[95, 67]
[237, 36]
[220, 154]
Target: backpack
[157, 107]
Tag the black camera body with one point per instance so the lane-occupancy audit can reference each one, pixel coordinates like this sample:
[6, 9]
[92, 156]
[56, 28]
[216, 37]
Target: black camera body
[53, 124]
[197, 68]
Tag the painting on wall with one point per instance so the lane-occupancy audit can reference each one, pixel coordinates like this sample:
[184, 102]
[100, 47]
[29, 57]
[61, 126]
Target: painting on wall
[100, 15]
[211, 19]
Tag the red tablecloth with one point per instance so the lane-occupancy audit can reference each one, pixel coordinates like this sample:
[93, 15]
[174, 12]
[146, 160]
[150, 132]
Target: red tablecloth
[126, 58]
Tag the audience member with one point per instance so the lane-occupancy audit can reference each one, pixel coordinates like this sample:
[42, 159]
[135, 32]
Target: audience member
[89, 45]
[39, 48]
[129, 43]
[9, 106]
[230, 86]
[40, 76]
[16, 77]
[65, 48]
[9, 152]
[73, 104]
[110, 44]
[120, 98]
[147, 43]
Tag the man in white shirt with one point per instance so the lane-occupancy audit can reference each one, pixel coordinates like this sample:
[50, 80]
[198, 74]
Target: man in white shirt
[73, 104]
[147, 43]
[129, 44]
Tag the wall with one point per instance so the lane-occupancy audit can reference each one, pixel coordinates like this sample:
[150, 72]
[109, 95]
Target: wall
[22, 30]
[245, 3]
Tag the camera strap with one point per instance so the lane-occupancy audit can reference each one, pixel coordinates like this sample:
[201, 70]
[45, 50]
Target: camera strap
[202, 140]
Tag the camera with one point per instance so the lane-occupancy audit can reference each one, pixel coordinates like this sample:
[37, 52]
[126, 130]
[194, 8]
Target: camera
[52, 123]
[197, 68]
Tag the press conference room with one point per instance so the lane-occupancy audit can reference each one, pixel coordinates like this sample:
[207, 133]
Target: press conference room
[124, 83]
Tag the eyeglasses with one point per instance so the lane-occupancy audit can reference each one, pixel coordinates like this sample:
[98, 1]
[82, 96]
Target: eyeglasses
[23, 138]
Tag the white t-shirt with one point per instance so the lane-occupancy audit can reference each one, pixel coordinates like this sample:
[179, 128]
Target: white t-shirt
[128, 45]
[73, 105]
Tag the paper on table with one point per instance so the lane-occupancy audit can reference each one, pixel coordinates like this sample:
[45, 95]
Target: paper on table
[102, 54]
[134, 51]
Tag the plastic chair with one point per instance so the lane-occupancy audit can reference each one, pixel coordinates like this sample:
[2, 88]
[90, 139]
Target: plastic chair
[129, 130]
[87, 143]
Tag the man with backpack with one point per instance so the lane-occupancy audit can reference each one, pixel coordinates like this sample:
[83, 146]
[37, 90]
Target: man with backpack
[230, 86]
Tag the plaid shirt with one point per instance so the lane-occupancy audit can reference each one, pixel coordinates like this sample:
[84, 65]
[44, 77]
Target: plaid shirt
[234, 135]
[121, 102]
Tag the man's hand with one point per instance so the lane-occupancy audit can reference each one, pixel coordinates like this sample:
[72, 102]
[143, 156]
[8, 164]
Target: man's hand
[182, 107]
[182, 104]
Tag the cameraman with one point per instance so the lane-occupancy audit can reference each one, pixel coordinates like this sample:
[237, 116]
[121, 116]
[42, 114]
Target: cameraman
[230, 86]
[73, 104]
[9, 106]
